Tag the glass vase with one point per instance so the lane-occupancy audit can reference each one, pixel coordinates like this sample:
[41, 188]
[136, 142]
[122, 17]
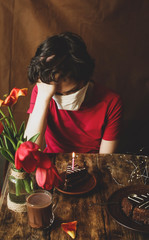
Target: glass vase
[20, 184]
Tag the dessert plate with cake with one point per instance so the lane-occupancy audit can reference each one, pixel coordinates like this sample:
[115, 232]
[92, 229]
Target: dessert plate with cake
[129, 206]
[76, 181]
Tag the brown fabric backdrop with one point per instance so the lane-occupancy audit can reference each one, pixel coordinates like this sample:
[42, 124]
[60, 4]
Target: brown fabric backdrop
[116, 33]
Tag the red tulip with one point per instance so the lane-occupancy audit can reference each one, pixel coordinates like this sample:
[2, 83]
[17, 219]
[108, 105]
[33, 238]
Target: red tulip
[27, 157]
[12, 98]
[1, 127]
[46, 173]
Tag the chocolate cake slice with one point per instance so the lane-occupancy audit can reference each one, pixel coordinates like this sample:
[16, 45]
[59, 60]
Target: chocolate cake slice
[136, 207]
[141, 215]
[127, 206]
[75, 177]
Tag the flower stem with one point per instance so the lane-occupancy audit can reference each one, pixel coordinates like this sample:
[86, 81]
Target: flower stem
[27, 185]
[4, 116]
[12, 119]
[18, 187]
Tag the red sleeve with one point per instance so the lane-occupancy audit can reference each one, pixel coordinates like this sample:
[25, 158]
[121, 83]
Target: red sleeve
[113, 120]
[33, 99]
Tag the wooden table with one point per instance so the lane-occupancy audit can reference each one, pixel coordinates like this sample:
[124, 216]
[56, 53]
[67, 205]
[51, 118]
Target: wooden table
[113, 171]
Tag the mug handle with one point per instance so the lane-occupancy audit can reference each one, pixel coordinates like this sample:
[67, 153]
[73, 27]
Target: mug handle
[55, 202]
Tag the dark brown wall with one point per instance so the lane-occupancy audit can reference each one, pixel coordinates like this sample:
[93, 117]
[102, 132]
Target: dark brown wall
[116, 33]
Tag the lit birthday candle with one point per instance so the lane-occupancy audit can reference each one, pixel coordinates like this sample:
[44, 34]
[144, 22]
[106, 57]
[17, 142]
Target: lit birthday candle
[73, 159]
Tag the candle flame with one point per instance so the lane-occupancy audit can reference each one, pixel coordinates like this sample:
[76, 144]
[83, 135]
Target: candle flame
[73, 154]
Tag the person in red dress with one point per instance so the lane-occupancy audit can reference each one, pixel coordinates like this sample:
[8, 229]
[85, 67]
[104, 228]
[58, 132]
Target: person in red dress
[73, 112]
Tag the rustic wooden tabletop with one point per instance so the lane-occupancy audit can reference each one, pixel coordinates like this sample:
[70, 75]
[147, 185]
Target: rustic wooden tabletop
[113, 172]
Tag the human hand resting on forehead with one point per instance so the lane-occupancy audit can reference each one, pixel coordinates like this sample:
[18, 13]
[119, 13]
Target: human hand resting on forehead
[46, 91]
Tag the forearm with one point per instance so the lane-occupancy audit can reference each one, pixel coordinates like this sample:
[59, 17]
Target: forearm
[38, 118]
[108, 147]
[37, 121]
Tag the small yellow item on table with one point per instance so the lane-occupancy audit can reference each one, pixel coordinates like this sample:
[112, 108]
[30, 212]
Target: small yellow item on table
[70, 228]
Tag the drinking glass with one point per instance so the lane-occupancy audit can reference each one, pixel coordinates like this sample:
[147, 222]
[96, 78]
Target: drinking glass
[40, 209]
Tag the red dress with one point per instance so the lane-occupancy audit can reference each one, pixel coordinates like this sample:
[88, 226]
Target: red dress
[82, 130]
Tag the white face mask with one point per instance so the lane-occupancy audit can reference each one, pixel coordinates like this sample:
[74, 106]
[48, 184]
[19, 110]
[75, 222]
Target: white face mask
[72, 101]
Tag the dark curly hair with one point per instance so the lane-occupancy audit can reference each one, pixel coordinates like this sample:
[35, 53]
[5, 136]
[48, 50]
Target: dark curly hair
[70, 59]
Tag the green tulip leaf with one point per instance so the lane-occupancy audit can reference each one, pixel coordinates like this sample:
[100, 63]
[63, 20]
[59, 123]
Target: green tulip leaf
[5, 141]
[7, 129]
[19, 143]
[1, 142]
[12, 120]
[22, 129]
[9, 138]
[7, 154]
[34, 138]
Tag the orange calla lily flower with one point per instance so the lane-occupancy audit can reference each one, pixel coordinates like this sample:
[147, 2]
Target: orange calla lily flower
[70, 228]
[12, 98]
[1, 127]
